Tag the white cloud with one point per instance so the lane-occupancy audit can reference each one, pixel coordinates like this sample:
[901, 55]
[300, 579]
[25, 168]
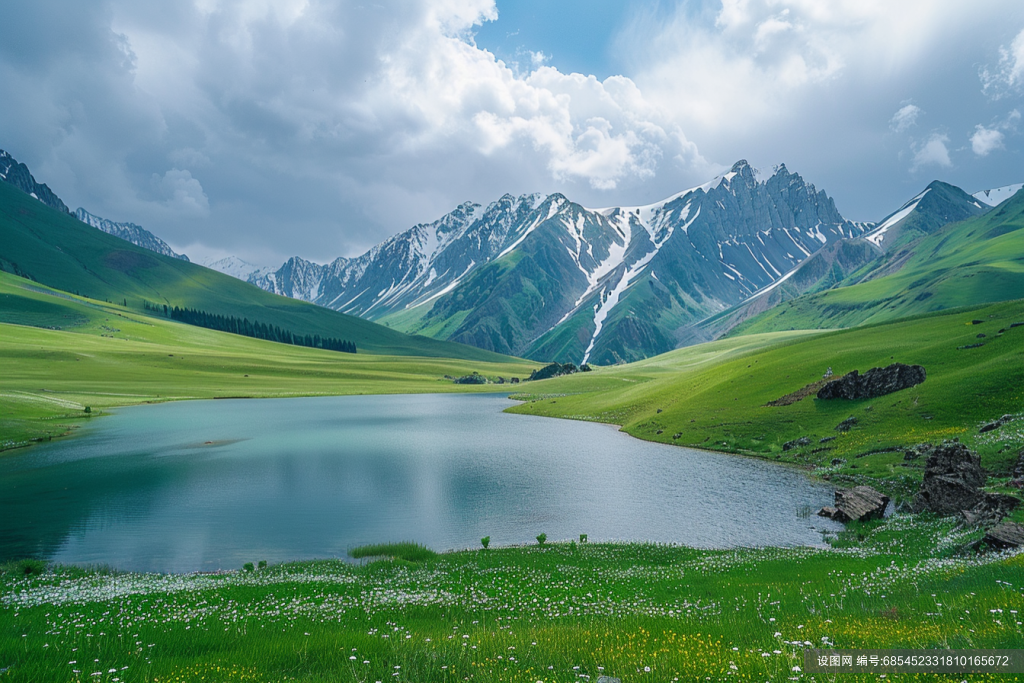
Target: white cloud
[181, 193]
[1009, 75]
[760, 59]
[933, 153]
[905, 118]
[348, 121]
[986, 140]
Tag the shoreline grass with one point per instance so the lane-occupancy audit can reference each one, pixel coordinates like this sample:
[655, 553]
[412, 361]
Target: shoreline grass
[557, 612]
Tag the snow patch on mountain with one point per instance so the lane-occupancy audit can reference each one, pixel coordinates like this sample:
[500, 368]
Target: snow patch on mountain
[235, 267]
[129, 232]
[997, 195]
[878, 234]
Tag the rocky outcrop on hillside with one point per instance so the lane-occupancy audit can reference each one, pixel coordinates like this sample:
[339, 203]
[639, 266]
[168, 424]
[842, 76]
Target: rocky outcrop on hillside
[557, 370]
[953, 478]
[873, 383]
[18, 175]
[996, 424]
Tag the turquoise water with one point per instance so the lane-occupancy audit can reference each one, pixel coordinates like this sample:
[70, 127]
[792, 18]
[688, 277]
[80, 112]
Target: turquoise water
[205, 485]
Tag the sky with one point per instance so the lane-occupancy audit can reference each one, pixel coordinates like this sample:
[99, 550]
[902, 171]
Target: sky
[318, 128]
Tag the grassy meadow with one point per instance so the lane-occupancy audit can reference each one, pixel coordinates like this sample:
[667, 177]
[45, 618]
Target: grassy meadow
[559, 612]
[716, 396]
[63, 353]
[56, 250]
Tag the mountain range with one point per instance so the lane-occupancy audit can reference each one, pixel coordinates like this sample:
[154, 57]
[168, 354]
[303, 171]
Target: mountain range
[546, 278]
[129, 232]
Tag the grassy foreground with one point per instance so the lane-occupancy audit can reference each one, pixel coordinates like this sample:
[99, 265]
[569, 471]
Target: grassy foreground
[717, 396]
[63, 353]
[562, 612]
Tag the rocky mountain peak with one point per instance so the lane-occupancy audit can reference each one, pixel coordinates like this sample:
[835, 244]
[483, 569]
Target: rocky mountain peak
[741, 166]
[18, 175]
[129, 232]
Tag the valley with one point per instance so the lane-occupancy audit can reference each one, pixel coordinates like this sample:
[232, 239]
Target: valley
[727, 344]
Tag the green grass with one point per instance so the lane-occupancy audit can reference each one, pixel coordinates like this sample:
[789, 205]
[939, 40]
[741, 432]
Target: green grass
[714, 396]
[60, 251]
[408, 551]
[559, 612]
[104, 355]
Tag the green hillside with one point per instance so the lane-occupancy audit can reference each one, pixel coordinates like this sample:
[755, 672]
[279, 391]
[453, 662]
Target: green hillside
[62, 353]
[979, 260]
[52, 248]
[715, 395]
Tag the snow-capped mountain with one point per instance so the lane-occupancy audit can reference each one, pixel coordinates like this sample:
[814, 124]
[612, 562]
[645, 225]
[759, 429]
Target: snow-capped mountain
[235, 267]
[547, 278]
[129, 232]
[18, 175]
[940, 204]
[998, 195]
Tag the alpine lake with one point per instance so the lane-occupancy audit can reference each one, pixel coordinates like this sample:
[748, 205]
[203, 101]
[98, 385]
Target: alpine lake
[210, 485]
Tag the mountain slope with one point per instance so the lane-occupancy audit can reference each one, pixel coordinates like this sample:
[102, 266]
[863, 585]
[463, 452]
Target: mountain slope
[975, 261]
[552, 280]
[18, 176]
[54, 248]
[129, 232]
[940, 204]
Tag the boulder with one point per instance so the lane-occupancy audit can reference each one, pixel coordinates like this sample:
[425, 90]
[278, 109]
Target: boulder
[475, 378]
[1018, 470]
[796, 443]
[952, 480]
[859, 504]
[1005, 535]
[875, 382]
[827, 511]
[553, 370]
[915, 452]
[991, 509]
[991, 426]
[847, 424]
[608, 679]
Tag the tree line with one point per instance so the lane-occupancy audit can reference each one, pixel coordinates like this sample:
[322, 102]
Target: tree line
[253, 328]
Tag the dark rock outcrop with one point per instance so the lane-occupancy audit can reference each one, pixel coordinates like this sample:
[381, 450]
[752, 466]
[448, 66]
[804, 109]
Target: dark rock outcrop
[991, 509]
[796, 443]
[873, 383]
[475, 378]
[847, 424]
[991, 426]
[952, 480]
[553, 370]
[1005, 535]
[857, 504]
[915, 452]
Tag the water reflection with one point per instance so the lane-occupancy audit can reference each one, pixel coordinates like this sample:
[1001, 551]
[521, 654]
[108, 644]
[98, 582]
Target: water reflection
[213, 484]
